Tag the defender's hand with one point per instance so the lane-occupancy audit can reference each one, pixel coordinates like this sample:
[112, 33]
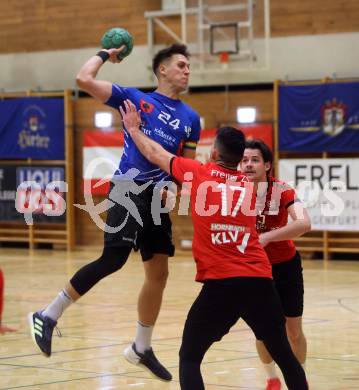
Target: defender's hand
[130, 116]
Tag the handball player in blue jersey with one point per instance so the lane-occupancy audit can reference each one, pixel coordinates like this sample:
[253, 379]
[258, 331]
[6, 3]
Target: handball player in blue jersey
[175, 126]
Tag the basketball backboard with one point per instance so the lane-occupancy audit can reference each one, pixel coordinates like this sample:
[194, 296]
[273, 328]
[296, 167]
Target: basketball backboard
[219, 33]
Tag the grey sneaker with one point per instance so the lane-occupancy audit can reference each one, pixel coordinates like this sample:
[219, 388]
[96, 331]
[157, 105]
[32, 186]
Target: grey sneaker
[147, 360]
[41, 328]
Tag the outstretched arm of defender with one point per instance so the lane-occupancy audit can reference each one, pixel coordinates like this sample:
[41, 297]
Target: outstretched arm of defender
[86, 78]
[299, 225]
[149, 148]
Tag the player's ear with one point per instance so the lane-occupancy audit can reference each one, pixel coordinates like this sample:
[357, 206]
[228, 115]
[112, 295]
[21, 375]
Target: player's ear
[162, 69]
[267, 166]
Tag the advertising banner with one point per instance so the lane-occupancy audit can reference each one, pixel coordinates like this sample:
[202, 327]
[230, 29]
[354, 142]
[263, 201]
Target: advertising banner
[328, 187]
[263, 131]
[32, 128]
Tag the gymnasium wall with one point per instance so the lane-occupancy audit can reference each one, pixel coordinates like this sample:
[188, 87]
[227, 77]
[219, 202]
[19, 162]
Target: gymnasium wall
[33, 25]
[43, 43]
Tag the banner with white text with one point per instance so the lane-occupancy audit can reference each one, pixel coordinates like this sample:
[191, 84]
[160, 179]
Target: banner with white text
[328, 187]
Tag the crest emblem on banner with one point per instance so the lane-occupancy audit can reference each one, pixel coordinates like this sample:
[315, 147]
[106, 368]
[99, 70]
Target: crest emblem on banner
[333, 117]
[333, 120]
[33, 123]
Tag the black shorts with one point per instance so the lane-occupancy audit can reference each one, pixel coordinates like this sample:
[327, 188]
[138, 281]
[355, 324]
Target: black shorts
[132, 219]
[288, 280]
[222, 302]
[218, 306]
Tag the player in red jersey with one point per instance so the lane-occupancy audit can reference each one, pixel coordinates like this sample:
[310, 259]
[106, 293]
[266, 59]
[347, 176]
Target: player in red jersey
[231, 263]
[3, 328]
[276, 200]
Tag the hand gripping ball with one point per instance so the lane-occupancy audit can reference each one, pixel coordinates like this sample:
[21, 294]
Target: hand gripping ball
[116, 37]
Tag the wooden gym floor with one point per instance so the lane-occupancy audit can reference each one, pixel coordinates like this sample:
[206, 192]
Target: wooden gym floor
[101, 324]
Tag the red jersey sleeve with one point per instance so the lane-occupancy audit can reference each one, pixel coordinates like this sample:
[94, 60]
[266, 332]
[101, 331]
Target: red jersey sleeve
[180, 166]
[289, 197]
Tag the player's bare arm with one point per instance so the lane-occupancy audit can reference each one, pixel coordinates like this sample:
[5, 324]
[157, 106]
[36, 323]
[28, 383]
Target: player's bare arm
[299, 225]
[189, 153]
[149, 148]
[86, 78]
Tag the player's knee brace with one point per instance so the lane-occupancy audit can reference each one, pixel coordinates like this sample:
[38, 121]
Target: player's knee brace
[111, 260]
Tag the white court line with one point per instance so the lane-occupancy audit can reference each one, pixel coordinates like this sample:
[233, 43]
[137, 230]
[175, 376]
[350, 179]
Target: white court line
[117, 387]
[347, 356]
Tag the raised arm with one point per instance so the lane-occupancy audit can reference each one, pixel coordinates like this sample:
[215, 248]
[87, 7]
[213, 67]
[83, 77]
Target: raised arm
[149, 148]
[86, 78]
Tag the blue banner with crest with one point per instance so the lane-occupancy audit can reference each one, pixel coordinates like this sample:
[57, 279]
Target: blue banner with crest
[32, 128]
[319, 118]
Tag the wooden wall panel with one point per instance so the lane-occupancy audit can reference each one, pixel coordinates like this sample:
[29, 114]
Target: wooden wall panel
[216, 107]
[34, 25]
[307, 17]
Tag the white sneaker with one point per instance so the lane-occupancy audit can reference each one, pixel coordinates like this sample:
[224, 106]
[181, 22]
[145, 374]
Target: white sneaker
[131, 356]
[148, 361]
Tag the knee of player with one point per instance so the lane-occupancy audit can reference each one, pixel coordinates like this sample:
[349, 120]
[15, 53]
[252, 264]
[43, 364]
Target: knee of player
[294, 332]
[159, 278]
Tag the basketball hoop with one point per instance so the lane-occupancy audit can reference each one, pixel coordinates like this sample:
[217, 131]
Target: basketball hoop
[224, 58]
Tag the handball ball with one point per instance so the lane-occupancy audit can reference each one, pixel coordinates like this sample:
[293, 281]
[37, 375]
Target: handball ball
[116, 37]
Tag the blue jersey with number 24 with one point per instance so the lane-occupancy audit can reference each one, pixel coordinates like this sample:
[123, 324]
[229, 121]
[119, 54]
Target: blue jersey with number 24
[169, 122]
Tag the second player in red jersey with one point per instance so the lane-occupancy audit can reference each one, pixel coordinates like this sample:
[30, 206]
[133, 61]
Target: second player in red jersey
[276, 201]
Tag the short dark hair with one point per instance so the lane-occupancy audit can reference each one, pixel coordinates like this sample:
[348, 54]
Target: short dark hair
[168, 52]
[263, 148]
[230, 143]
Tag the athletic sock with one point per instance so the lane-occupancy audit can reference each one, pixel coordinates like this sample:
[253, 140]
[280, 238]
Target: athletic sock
[58, 306]
[143, 337]
[270, 370]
